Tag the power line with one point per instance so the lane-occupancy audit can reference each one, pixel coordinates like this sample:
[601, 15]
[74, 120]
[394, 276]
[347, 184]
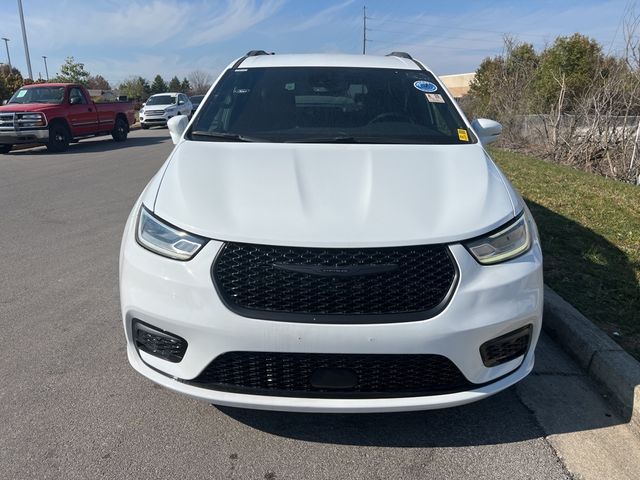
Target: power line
[447, 27]
[463, 49]
[473, 39]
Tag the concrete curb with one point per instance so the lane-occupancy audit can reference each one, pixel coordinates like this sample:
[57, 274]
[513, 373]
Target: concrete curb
[613, 369]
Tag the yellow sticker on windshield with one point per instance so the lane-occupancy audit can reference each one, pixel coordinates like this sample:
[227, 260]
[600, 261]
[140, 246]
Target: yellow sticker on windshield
[463, 135]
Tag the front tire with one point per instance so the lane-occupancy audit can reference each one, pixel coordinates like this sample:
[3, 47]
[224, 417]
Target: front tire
[144, 127]
[59, 138]
[5, 148]
[120, 130]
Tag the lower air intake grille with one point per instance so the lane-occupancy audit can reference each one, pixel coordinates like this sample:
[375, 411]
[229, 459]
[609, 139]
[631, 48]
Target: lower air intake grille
[335, 285]
[507, 347]
[158, 343]
[296, 374]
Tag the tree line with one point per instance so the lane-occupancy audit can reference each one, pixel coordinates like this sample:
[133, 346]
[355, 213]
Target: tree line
[135, 87]
[571, 102]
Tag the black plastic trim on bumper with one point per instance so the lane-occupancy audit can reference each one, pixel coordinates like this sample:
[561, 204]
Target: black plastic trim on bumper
[492, 359]
[464, 386]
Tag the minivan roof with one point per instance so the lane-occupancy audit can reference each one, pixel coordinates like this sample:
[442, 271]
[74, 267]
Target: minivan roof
[328, 60]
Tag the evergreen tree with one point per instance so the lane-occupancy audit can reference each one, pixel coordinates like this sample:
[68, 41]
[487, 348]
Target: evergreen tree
[185, 87]
[158, 85]
[174, 84]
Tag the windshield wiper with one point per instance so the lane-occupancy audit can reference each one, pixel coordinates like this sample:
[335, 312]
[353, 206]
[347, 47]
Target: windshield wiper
[231, 137]
[336, 139]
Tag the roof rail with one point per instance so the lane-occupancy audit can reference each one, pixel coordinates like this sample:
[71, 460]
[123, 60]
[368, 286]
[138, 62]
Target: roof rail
[255, 53]
[400, 54]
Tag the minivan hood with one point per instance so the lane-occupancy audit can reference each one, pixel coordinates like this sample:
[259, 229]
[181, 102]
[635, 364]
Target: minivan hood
[333, 195]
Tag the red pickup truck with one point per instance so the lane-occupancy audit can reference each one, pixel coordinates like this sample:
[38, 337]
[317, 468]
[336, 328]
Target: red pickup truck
[55, 114]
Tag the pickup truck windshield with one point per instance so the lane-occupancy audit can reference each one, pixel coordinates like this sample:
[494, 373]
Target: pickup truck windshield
[38, 95]
[162, 100]
[329, 105]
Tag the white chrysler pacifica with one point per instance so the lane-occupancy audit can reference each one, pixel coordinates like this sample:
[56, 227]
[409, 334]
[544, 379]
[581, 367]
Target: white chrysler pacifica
[329, 234]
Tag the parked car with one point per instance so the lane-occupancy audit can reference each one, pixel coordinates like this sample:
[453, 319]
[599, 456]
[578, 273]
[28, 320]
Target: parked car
[195, 102]
[54, 114]
[161, 107]
[329, 234]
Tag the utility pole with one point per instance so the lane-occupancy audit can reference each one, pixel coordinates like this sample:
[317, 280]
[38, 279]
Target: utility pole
[24, 39]
[364, 30]
[6, 44]
[45, 66]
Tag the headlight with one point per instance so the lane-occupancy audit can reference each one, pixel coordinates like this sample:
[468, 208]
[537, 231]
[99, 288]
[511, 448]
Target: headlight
[508, 242]
[30, 120]
[163, 239]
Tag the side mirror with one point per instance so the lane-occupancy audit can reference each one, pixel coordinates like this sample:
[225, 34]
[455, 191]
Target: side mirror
[177, 125]
[4, 102]
[74, 100]
[144, 104]
[488, 130]
[181, 102]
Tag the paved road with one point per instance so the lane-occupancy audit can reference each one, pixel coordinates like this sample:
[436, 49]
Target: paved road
[72, 408]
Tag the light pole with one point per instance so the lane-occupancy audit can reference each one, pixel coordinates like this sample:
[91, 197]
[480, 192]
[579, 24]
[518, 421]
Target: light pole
[45, 66]
[24, 39]
[6, 44]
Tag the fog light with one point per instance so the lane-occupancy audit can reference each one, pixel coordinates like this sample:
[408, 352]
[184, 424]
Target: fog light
[506, 347]
[158, 343]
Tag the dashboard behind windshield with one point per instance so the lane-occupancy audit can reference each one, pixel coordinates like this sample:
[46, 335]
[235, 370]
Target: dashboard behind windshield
[297, 104]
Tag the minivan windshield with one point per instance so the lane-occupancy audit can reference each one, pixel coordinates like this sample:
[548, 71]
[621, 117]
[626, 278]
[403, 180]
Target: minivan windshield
[38, 95]
[162, 100]
[329, 105]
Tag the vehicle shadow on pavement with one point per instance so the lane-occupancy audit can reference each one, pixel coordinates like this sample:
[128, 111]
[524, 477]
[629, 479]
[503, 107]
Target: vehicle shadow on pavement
[100, 144]
[592, 274]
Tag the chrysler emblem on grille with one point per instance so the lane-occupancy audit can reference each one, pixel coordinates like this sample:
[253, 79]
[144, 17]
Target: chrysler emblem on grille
[337, 271]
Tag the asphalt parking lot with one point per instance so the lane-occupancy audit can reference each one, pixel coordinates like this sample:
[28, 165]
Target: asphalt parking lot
[72, 408]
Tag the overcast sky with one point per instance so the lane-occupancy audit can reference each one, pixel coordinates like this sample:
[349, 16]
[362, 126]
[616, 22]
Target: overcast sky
[119, 38]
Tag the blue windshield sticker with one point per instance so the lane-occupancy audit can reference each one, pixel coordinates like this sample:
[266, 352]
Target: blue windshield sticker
[425, 86]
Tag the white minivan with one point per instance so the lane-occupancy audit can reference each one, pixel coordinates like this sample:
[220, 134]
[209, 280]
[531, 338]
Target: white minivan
[329, 234]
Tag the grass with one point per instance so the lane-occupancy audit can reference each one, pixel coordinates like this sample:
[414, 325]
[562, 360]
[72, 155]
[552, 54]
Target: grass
[590, 232]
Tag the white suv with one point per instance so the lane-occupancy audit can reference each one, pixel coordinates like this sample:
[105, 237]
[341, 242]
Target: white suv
[159, 108]
[330, 235]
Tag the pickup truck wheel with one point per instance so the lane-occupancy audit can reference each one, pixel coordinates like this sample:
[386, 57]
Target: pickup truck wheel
[144, 127]
[5, 148]
[120, 130]
[59, 138]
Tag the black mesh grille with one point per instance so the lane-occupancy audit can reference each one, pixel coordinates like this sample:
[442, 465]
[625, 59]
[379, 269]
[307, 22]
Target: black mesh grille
[158, 342]
[507, 347]
[290, 374]
[364, 284]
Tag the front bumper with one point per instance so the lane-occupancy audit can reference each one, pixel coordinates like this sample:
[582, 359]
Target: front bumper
[179, 297]
[17, 137]
[155, 120]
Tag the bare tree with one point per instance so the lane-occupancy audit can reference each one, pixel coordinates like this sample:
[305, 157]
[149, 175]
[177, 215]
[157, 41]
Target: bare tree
[549, 109]
[200, 81]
